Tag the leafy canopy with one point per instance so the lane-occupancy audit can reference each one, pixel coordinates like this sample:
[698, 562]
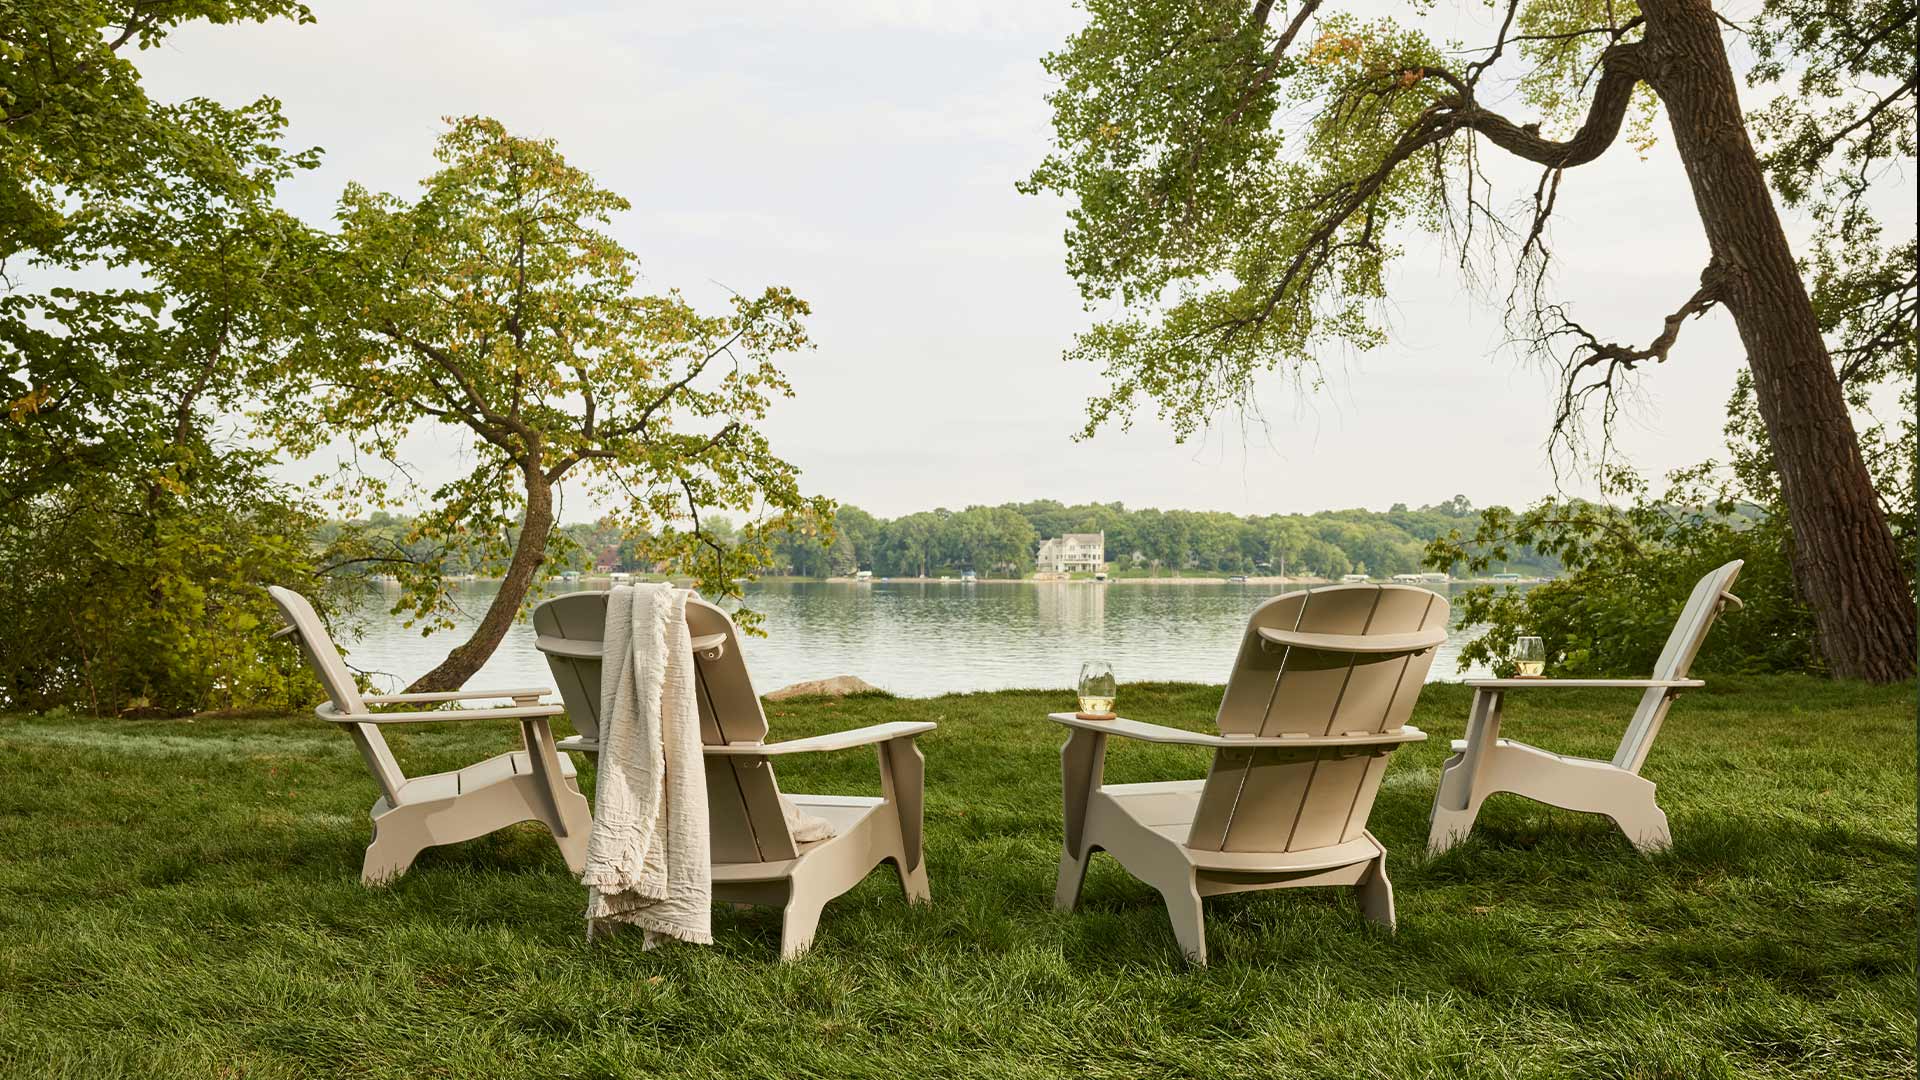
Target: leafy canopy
[173, 201]
[147, 281]
[498, 305]
[1242, 176]
[1200, 203]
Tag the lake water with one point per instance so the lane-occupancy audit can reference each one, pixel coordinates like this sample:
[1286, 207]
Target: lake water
[915, 639]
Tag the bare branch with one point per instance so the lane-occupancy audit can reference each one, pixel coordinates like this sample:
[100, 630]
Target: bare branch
[1594, 367]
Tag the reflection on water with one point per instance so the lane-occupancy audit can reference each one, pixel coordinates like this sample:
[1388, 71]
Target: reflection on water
[917, 638]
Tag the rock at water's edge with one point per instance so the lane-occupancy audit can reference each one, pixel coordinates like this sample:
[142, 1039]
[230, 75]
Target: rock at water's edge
[838, 686]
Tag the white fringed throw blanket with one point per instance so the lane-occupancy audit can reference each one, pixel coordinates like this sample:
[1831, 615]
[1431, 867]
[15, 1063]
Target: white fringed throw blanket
[649, 857]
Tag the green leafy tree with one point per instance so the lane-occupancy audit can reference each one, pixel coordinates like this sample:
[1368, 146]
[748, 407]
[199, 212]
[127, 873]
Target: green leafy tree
[85, 157]
[1630, 565]
[863, 534]
[135, 530]
[1245, 174]
[112, 603]
[497, 306]
[914, 543]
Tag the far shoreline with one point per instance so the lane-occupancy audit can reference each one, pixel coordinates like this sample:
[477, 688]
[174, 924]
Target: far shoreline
[785, 579]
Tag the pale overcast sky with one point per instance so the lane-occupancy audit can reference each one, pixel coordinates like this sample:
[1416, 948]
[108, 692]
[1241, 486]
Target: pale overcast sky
[865, 155]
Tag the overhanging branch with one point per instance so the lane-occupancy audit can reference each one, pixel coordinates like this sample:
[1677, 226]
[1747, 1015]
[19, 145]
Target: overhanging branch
[1450, 114]
[1595, 367]
[1621, 71]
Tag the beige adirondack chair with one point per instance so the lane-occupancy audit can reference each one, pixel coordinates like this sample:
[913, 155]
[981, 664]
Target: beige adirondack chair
[755, 857]
[534, 783]
[1484, 764]
[1318, 697]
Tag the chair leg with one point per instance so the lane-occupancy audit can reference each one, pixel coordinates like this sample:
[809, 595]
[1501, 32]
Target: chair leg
[914, 882]
[1645, 825]
[574, 826]
[903, 783]
[1189, 921]
[1376, 894]
[396, 843]
[1448, 826]
[1073, 874]
[799, 921]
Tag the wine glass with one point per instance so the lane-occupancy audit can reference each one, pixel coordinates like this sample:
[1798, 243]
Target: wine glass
[1529, 657]
[1097, 689]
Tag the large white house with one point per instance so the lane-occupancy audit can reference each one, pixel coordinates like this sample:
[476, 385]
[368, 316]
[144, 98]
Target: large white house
[1072, 553]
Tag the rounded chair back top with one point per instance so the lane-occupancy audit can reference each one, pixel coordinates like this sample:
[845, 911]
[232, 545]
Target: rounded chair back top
[321, 653]
[569, 630]
[1333, 660]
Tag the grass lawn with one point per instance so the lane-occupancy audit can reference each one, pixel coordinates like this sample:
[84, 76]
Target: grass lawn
[180, 898]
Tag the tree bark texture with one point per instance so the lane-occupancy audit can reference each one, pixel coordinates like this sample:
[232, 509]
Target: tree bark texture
[460, 664]
[1844, 557]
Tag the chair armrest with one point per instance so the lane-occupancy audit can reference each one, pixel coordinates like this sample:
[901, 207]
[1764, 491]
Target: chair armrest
[1572, 684]
[578, 648]
[454, 695]
[1158, 733]
[837, 740]
[512, 712]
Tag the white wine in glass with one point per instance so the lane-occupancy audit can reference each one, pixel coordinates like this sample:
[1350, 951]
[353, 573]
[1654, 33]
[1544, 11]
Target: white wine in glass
[1529, 657]
[1097, 689]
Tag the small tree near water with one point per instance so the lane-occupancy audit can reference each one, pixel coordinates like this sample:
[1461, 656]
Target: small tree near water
[498, 306]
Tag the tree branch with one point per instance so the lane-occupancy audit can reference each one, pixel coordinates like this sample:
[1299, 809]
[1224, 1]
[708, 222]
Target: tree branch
[1620, 72]
[1614, 360]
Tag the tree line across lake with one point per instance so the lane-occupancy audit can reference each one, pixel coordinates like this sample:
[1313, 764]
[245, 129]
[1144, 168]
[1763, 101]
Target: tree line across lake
[1002, 541]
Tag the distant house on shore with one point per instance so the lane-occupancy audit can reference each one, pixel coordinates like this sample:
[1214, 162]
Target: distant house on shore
[1073, 553]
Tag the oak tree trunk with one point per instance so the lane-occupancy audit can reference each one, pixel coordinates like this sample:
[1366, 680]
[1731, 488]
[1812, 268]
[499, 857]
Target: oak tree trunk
[1844, 558]
[460, 664]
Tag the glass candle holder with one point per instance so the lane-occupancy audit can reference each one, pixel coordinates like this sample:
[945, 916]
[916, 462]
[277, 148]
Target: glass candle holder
[1529, 657]
[1097, 690]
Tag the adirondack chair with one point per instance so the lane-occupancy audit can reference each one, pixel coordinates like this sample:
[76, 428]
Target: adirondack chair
[534, 783]
[1483, 763]
[1318, 697]
[755, 857]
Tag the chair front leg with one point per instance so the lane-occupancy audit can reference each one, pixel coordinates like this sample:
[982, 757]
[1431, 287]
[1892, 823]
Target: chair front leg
[561, 805]
[399, 836]
[1376, 893]
[1082, 763]
[1456, 803]
[903, 782]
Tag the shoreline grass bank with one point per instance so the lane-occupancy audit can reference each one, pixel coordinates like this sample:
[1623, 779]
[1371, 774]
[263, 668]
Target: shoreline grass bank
[179, 898]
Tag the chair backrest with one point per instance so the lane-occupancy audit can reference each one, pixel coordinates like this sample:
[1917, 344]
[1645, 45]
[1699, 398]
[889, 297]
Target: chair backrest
[324, 658]
[1305, 667]
[743, 798]
[1697, 616]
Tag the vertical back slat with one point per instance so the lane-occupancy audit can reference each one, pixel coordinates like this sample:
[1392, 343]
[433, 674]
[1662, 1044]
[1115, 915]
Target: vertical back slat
[577, 616]
[1218, 795]
[732, 828]
[736, 708]
[1382, 689]
[1369, 788]
[1281, 799]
